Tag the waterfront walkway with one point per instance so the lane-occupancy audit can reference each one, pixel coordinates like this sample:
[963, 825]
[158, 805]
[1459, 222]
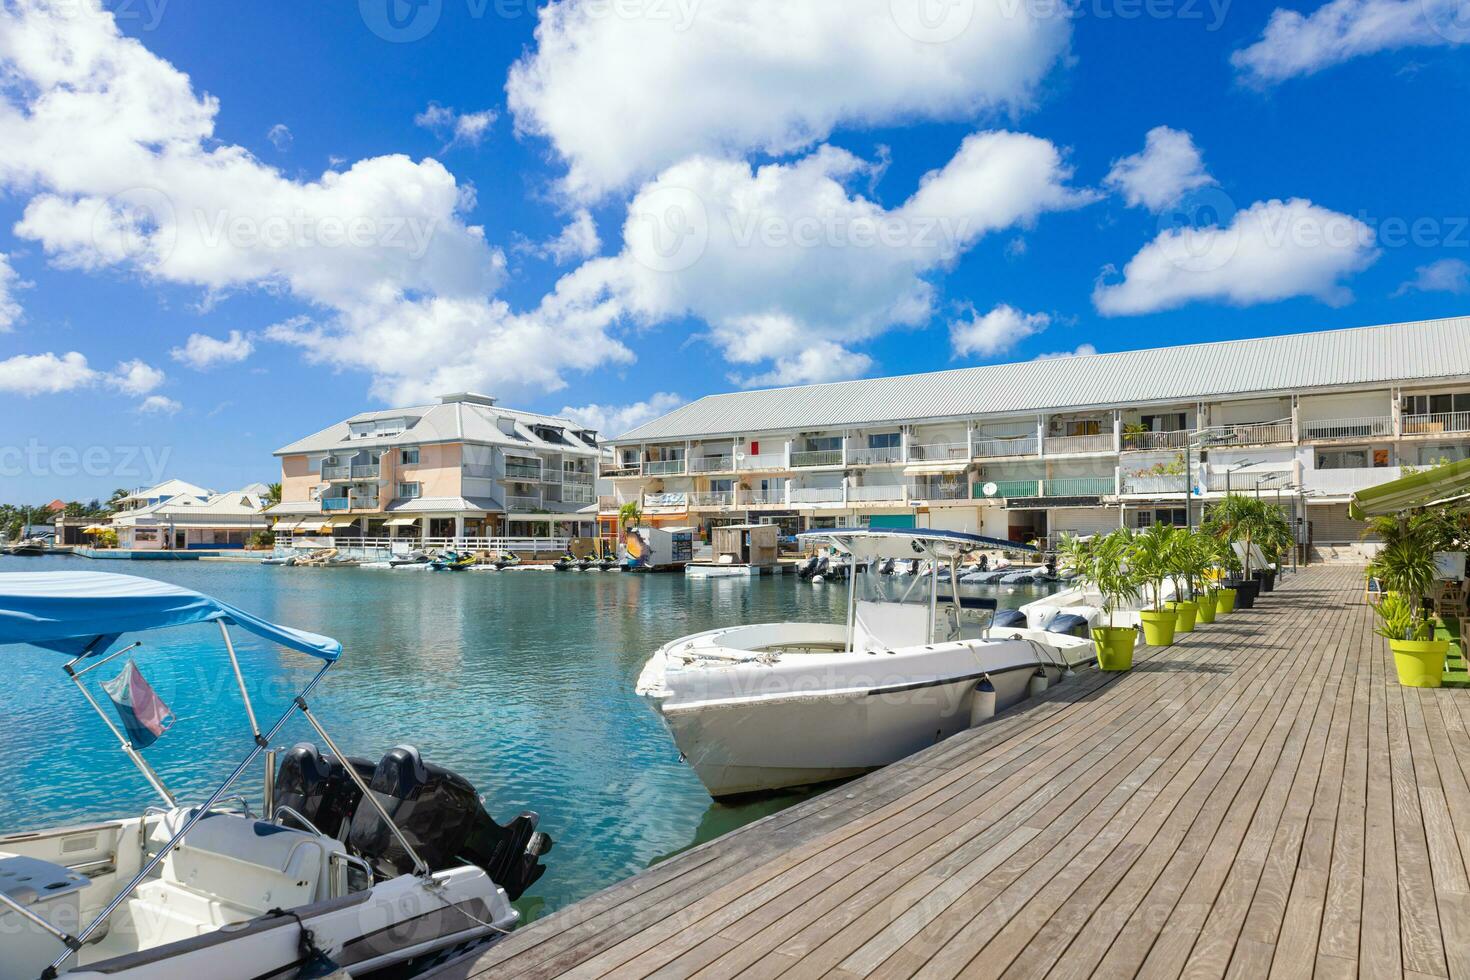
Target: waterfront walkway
[1262, 799]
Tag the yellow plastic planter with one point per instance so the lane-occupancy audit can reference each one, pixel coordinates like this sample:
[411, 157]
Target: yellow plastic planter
[1185, 612]
[1420, 663]
[1225, 601]
[1114, 646]
[1207, 606]
[1158, 627]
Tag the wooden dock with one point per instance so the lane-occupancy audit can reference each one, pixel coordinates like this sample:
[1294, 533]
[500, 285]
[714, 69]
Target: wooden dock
[1262, 799]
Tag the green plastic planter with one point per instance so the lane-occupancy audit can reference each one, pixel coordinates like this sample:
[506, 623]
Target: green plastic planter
[1420, 663]
[1225, 601]
[1207, 606]
[1158, 627]
[1114, 646]
[1185, 612]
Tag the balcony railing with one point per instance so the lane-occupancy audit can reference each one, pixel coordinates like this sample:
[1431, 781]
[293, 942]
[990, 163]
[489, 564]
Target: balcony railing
[612, 470]
[879, 494]
[1244, 481]
[529, 474]
[763, 461]
[766, 498]
[939, 491]
[1374, 427]
[332, 505]
[1001, 448]
[663, 467]
[711, 464]
[717, 498]
[1102, 442]
[1247, 434]
[875, 457]
[523, 503]
[1008, 488]
[1145, 441]
[937, 452]
[820, 496]
[1436, 424]
[578, 477]
[1348, 481]
[817, 457]
[1155, 484]
[1086, 486]
[344, 471]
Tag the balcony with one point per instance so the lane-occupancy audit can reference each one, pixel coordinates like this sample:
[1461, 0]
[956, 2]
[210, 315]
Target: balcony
[522, 472]
[939, 452]
[817, 457]
[1247, 434]
[663, 467]
[713, 500]
[1008, 488]
[515, 503]
[875, 457]
[876, 495]
[1101, 442]
[333, 505]
[361, 471]
[939, 491]
[615, 470]
[712, 464]
[1154, 485]
[1341, 483]
[1439, 423]
[817, 497]
[1003, 448]
[578, 478]
[763, 461]
[1244, 481]
[1086, 486]
[1374, 427]
[765, 498]
[1140, 442]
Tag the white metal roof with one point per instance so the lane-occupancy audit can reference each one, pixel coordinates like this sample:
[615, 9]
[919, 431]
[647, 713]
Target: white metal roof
[461, 421]
[1395, 353]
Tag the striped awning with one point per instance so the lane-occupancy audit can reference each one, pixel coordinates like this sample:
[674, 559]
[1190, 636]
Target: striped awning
[402, 522]
[286, 525]
[311, 527]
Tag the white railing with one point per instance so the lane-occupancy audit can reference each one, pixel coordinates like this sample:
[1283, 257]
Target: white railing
[663, 467]
[765, 498]
[621, 469]
[939, 491]
[1145, 441]
[763, 461]
[410, 542]
[817, 495]
[711, 464]
[1154, 484]
[1100, 443]
[1372, 427]
[1436, 423]
[523, 503]
[817, 457]
[527, 474]
[875, 457]
[716, 498]
[1247, 434]
[1343, 482]
[991, 448]
[578, 477]
[882, 494]
[1244, 481]
[934, 452]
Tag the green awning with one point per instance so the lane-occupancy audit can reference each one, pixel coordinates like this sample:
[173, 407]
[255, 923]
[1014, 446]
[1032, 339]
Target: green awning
[1439, 485]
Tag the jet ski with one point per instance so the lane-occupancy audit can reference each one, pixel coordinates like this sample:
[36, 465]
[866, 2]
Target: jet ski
[412, 558]
[607, 558]
[566, 562]
[453, 561]
[505, 559]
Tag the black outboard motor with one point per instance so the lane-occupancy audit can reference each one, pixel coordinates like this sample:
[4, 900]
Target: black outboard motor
[318, 787]
[1009, 618]
[441, 815]
[807, 568]
[914, 566]
[886, 568]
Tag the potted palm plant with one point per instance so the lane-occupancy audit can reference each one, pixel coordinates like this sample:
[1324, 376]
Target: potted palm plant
[1237, 520]
[1197, 558]
[1151, 561]
[1180, 559]
[1102, 562]
[1405, 566]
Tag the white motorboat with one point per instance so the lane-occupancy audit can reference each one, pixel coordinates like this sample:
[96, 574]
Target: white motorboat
[755, 708]
[350, 865]
[1078, 609]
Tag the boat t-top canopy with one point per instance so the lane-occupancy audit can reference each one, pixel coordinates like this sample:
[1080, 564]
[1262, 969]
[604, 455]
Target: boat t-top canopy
[85, 612]
[905, 543]
[1440, 485]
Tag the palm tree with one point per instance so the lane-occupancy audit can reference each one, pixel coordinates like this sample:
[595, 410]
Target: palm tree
[1152, 559]
[1239, 519]
[272, 494]
[628, 515]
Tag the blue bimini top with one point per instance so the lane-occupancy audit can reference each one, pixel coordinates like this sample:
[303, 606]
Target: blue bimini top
[85, 612]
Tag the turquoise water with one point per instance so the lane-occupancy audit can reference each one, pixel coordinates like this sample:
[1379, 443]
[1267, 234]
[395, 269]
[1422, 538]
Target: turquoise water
[521, 682]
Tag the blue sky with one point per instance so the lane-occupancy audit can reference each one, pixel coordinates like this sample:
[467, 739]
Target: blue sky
[1307, 179]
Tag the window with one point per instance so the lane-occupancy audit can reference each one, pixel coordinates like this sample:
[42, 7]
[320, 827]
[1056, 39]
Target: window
[884, 440]
[824, 444]
[1166, 515]
[1084, 427]
[1353, 459]
[1172, 422]
[408, 457]
[410, 491]
[1442, 404]
[721, 486]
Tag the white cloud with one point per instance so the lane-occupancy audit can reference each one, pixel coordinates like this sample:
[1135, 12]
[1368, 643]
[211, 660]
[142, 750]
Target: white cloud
[1169, 166]
[115, 157]
[136, 378]
[45, 374]
[1083, 350]
[724, 77]
[202, 351]
[1443, 276]
[787, 265]
[1272, 251]
[280, 137]
[578, 240]
[159, 405]
[995, 332]
[1301, 44]
[614, 420]
[10, 311]
[458, 128]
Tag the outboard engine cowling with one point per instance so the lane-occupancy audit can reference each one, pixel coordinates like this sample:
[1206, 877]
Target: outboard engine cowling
[442, 817]
[317, 786]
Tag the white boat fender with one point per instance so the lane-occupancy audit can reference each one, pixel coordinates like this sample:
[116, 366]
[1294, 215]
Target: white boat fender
[1038, 682]
[982, 705]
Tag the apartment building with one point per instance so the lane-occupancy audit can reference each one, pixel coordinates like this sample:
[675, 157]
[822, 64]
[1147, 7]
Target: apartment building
[465, 468]
[179, 516]
[1078, 444]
